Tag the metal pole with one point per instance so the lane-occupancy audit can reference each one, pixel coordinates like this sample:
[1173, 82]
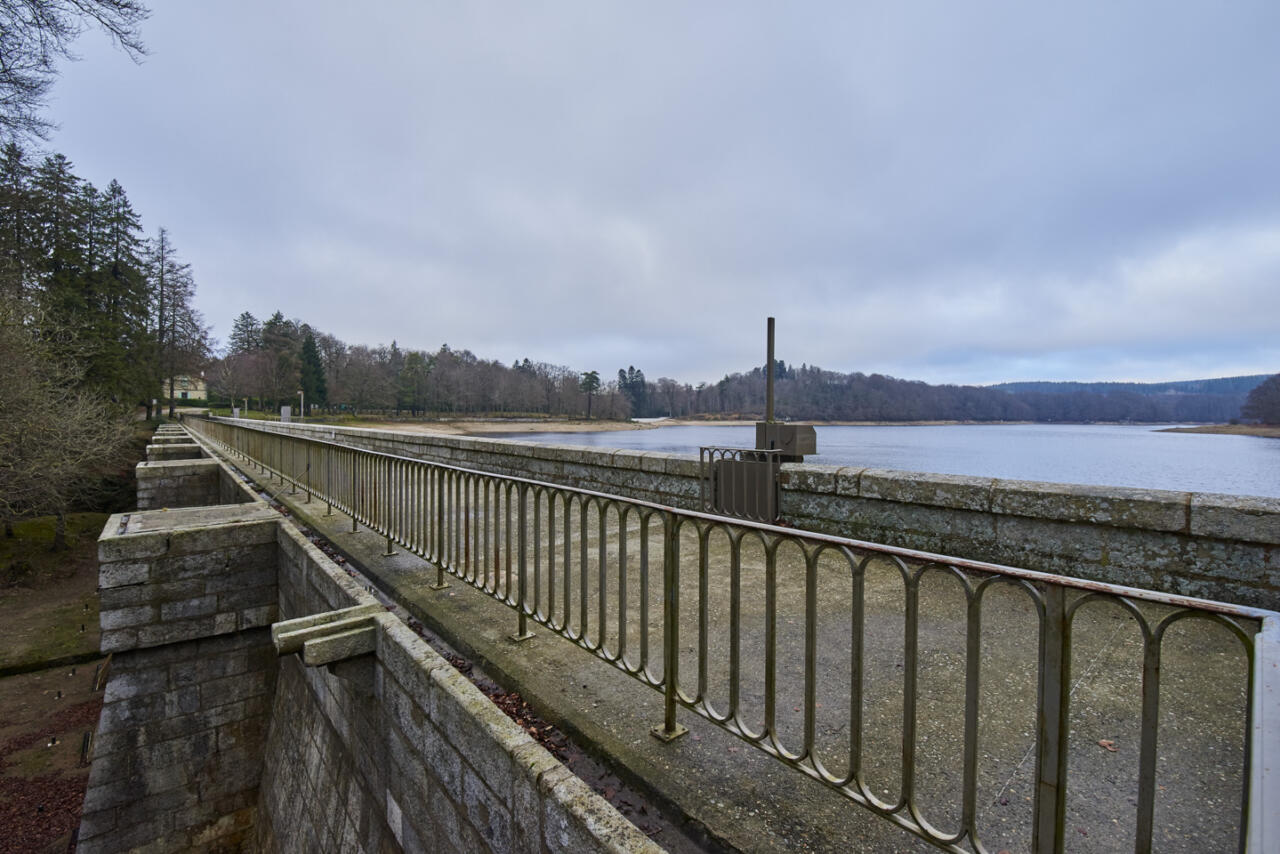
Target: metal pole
[768, 399]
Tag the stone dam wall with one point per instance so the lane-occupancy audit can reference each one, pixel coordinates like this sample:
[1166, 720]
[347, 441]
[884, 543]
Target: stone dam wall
[1221, 547]
[365, 740]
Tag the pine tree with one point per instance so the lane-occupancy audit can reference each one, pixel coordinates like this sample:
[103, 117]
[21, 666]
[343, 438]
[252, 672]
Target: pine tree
[589, 385]
[281, 340]
[246, 335]
[126, 304]
[311, 372]
[18, 249]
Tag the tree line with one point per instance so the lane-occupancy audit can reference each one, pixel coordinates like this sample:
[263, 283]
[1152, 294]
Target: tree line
[78, 272]
[96, 320]
[268, 362]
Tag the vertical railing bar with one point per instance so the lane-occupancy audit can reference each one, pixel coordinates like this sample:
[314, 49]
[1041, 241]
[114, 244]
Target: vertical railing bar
[1053, 697]
[468, 566]
[602, 567]
[810, 651]
[537, 549]
[644, 591]
[624, 513]
[1149, 737]
[584, 615]
[771, 639]
[735, 625]
[507, 532]
[567, 581]
[436, 524]
[487, 537]
[355, 493]
[704, 545]
[522, 568]
[910, 663]
[551, 558]
[670, 729]
[856, 629]
[972, 675]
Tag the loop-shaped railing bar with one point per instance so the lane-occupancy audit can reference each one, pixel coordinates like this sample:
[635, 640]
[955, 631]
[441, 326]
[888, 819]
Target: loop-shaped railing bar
[589, 566]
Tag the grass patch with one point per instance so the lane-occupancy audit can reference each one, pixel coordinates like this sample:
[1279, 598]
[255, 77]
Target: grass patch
[46, 597]
[28, 556]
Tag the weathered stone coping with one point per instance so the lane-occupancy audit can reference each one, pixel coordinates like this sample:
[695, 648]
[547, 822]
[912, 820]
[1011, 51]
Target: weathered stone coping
[168, 576]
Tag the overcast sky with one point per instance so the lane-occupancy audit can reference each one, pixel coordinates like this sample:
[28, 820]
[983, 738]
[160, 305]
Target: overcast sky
[954, 192]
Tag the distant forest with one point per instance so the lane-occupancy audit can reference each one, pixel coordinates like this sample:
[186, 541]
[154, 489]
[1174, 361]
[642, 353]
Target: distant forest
[269, 361]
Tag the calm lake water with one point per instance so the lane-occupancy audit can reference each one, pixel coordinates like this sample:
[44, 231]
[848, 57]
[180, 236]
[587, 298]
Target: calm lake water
[1062, 453]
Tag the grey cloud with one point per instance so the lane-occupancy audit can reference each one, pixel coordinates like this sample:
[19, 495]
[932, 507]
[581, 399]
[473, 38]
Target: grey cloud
[960, 193]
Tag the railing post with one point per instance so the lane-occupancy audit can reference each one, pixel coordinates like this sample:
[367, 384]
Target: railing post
[669, 730]
[522, 627]
[355, 493]
[328, 481]
[437, 487]
[1264, 761]
[1051, 754]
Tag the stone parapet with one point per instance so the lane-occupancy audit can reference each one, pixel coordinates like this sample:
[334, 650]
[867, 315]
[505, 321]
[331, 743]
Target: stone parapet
[1221, 547]
[177, 483]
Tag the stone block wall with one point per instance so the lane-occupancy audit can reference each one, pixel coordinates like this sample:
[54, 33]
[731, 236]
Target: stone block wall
[169, 483]
[177, 755]
[177, 483]
[174, 451]
[1222, 547]
[186, 597]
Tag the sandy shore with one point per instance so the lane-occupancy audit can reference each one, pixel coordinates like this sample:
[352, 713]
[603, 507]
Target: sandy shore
[487, 427]
[1229, 430]
[480, 428]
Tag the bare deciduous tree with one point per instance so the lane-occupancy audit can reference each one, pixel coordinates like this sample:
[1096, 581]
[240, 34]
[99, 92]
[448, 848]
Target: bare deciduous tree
[35, 35]
[57, 437]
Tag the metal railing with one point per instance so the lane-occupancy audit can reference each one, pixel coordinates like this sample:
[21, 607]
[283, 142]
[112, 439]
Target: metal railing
[789, 640]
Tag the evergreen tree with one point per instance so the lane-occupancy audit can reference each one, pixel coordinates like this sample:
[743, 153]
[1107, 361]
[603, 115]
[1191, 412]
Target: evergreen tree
[634, 388]
[18, 250]
[590, 384]
[246, 335]
[126, 303]
[312, 372]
